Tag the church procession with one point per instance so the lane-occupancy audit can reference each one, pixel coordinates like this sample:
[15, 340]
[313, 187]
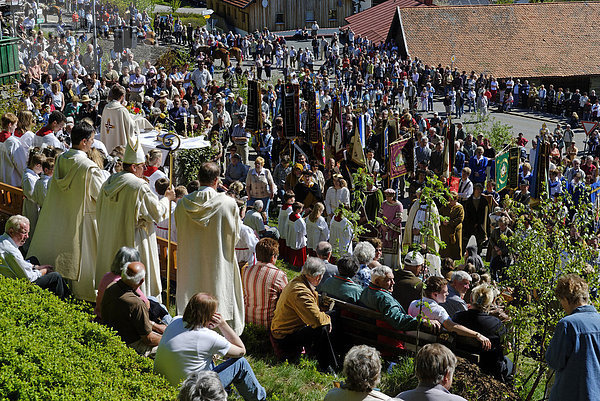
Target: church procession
[322, 188]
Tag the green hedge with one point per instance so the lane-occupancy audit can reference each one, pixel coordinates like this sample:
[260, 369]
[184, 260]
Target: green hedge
[51, 350]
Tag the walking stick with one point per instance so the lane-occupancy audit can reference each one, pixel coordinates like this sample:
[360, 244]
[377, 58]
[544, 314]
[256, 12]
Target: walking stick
[172, 143]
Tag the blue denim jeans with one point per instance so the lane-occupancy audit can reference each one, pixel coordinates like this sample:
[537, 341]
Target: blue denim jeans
[266, 203]
[237, 371]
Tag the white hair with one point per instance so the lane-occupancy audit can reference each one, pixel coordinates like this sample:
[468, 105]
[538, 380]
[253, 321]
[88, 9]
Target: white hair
[14, 222]
[202, 386]
[136, 279]
[258, 205]
[460, 275]
[313, 267]
[380, 272]
[364, 252]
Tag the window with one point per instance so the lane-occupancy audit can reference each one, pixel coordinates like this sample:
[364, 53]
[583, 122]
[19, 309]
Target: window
[332, 14]
[279, 18]
[309, 16]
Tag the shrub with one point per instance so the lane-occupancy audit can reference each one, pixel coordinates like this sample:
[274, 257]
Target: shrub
[51, 350]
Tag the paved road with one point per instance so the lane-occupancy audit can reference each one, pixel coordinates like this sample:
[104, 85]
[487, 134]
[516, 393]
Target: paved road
[159, 8]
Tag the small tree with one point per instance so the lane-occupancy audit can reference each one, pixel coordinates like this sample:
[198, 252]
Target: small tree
[546, 244]
[499, 133]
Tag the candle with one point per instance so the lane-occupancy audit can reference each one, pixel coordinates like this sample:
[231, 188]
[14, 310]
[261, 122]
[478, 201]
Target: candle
[192, 124]
[185, 124]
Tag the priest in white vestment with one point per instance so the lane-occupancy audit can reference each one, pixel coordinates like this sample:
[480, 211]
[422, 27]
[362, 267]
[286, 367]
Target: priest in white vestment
[117, 127]
[208, 228]
[66, 235]
[127, 213]
[420, 216]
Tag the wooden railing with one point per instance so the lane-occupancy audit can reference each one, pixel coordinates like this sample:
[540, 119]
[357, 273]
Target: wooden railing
[11, 199]
[162, 256]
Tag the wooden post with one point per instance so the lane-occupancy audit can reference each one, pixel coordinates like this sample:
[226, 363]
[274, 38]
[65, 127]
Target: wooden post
[169, 141]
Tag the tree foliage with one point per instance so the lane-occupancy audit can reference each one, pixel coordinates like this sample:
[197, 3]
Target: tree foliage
[499, 133]
[550, 240]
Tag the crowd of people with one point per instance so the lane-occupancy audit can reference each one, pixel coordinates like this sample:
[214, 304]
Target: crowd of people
[84, 169]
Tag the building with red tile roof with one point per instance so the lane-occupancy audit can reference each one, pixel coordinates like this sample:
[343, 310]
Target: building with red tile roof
[520, 40]
[374, 23]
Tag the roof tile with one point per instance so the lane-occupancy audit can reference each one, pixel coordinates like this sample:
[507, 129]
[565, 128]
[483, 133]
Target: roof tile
[521, 40]
[238, 3]
[374, 23]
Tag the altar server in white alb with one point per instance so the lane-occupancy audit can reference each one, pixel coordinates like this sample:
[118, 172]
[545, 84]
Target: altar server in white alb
[127, 213]
[118, 127]
[152, 170]
[13, 156]
[66, 235]
[208, 228]
[340, 234]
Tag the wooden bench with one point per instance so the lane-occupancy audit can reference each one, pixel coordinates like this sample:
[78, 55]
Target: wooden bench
[357, 325]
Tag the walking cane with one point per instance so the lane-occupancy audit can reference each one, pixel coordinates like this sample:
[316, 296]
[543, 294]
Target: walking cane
[172, 143]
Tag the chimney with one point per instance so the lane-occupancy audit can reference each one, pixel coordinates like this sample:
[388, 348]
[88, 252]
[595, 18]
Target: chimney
[427, 2]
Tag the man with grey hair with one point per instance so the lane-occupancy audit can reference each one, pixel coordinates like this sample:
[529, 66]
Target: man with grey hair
[254, 220]
[323, 252]
[12, 263]
[299, 323]
[125, 312]
[378, 296]
[364, 253]
[457, 288]
[435, 365]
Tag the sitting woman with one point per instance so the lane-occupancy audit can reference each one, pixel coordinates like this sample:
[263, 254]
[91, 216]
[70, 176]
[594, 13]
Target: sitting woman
[362, 368]
[125, 255]
[436, 291]
[190, 343]
[478, 318]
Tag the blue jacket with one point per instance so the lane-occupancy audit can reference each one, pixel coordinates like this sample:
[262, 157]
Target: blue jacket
[574, 353]
[459, 162]
[478, 169]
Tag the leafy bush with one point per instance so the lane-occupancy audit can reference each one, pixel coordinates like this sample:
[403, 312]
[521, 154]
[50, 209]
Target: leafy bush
[51, 350]
[197, 20]
[188, 161]
[174, 58]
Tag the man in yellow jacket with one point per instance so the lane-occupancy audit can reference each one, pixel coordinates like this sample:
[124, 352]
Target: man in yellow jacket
[298, 322]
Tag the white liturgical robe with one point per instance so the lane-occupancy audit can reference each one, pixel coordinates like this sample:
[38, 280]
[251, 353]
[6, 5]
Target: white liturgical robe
[127, 213]
[66, 235]
[117, 126]
[208, 228]
[340, 236]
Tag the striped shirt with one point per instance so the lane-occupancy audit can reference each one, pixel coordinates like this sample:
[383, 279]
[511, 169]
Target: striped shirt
[263, 284]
